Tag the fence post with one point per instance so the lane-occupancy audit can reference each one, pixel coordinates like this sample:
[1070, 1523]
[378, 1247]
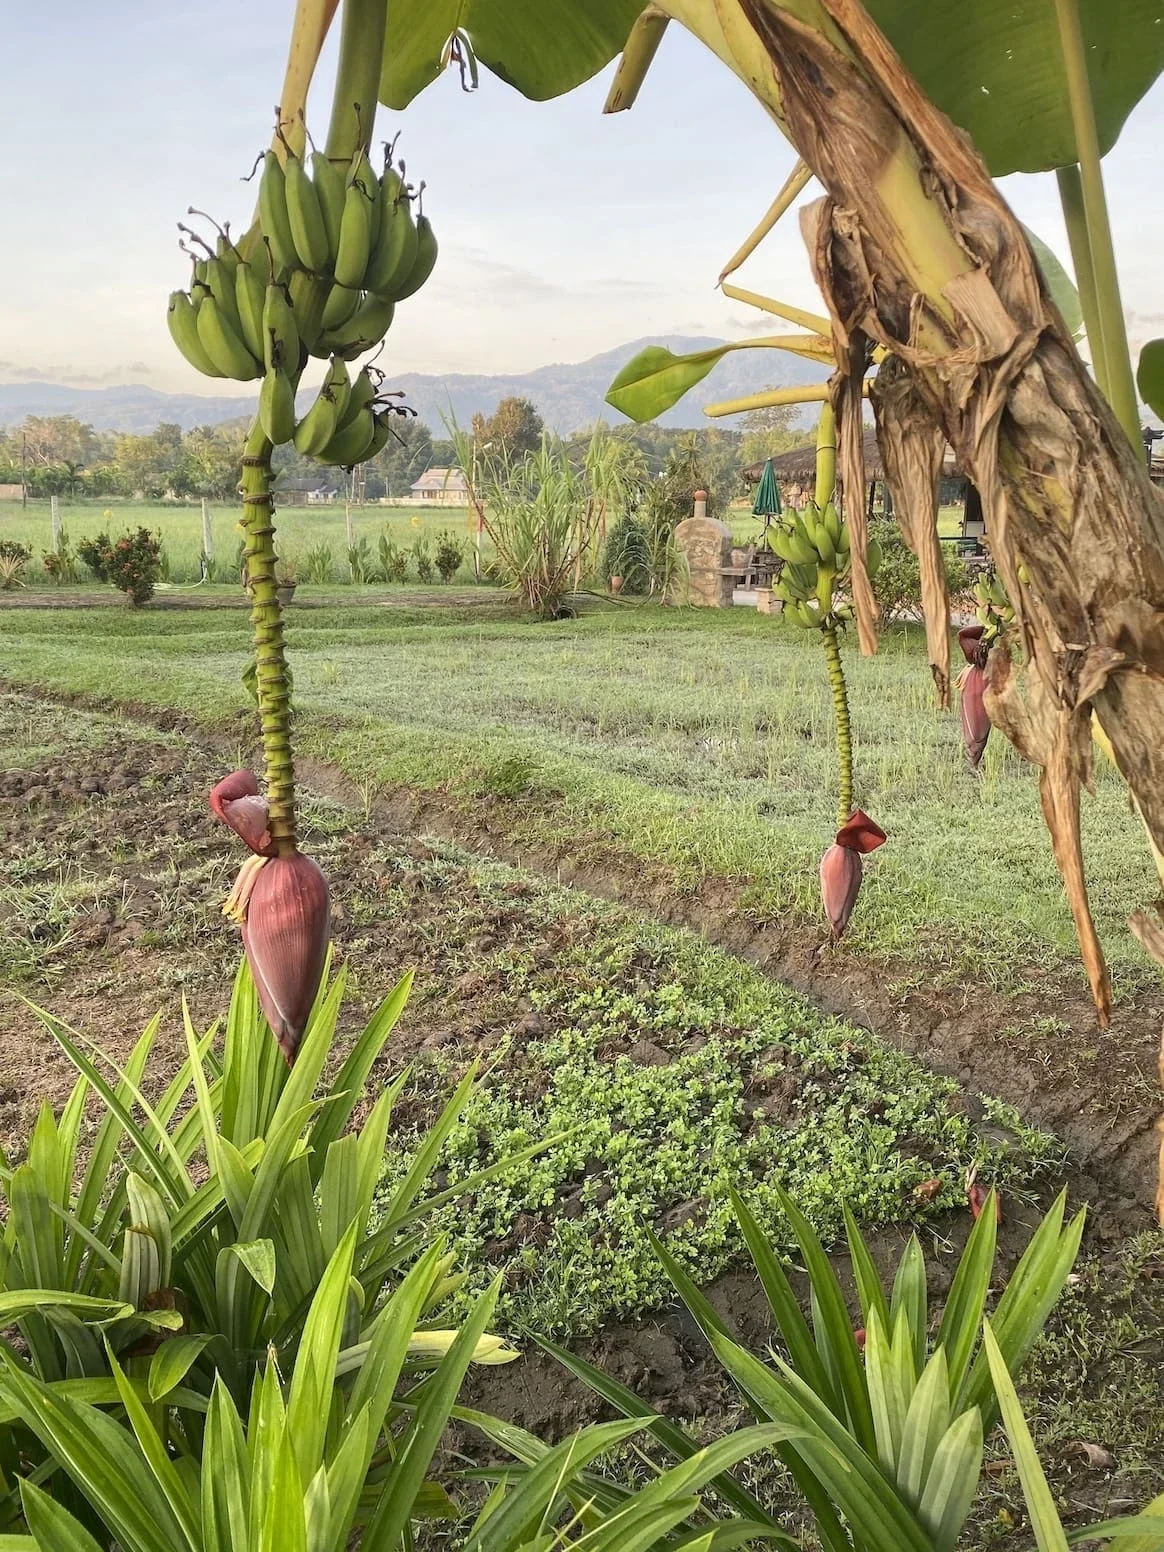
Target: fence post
[207, 532]
[55, 506]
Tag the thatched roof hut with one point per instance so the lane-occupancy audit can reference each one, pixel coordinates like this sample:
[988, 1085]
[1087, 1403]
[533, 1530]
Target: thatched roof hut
[799, 466]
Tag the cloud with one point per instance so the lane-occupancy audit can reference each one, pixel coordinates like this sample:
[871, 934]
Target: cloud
[69, 377]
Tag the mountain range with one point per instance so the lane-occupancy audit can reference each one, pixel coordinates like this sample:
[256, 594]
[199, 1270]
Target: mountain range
[568, 395]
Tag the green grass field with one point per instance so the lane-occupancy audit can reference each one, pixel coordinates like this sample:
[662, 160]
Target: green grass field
[180, 525]
[698, 741]
[300, 529]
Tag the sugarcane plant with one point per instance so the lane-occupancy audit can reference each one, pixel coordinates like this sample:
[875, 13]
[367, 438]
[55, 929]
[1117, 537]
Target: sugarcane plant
[813, 543]
[333, 248]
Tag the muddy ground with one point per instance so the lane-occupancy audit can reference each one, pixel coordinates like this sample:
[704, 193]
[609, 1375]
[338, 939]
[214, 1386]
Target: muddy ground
[110, 866]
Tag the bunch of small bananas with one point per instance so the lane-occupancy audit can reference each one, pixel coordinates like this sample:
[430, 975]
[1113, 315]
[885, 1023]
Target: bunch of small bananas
[814, 546]
[319, 274]
[995, 610]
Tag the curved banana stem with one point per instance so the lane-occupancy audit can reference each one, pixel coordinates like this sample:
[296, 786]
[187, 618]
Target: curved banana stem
[357, 78]
[795, 183]
[840, 693]
[826, 458]
[272, 687]
[308, 31]
[641, 47]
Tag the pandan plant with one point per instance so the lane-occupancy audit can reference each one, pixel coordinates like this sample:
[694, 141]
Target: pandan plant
[813, 543]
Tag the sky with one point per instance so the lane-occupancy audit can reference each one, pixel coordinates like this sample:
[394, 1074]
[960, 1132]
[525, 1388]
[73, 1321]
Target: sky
[563, 232]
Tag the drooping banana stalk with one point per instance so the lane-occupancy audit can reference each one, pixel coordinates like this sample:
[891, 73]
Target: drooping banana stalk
[641, 47]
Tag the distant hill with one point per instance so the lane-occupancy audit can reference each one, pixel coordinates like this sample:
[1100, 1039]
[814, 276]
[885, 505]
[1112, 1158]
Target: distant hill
[568, 395]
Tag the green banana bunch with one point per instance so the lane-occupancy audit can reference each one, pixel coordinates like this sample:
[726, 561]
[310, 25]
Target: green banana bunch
[995, 610]
[813, 543]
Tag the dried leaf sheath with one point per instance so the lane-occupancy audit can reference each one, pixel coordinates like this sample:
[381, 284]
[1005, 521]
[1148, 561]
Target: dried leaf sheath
[913, 445]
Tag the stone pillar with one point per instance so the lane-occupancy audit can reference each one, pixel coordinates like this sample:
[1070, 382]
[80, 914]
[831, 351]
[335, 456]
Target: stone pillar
[55, 512]
[706, 546]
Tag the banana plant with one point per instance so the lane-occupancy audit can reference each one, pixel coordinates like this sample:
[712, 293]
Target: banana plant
[333, 248]
[813, 543]
[893, 1417]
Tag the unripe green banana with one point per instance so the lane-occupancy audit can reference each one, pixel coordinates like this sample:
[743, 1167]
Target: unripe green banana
[872, 558]
[363, 394]
[364, 175]
[309, 293]
[364, 329]
[273, 213]
[227, 254]
[329, 188]
[803, 551]
[355, 244]
[804, 579]
[824, 544]
[339, 307]
[280, 331]
[317, 427]
[277, 406]
[182, 318]
[220, 280]
[426, 257]
[340, 384]
[782, 544]
[305, 217]
[382, 433]
[395, 254]
[832, 522]
[350, 444]
[249, 296]
[843, 540]
[223, 345]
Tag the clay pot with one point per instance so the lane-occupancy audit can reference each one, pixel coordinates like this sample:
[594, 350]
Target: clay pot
[285, 593]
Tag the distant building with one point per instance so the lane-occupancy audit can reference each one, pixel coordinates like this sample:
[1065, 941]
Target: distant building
[11, 492]
[447, 486]
[305, 492]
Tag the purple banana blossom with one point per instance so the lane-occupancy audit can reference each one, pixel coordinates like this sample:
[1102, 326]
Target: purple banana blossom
[841, 868]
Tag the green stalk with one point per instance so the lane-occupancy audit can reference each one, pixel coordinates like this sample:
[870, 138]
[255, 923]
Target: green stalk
[826, 458]
[840, 691]
[357, 80]
[1071, 200]
[271, 683]
[1121, 387]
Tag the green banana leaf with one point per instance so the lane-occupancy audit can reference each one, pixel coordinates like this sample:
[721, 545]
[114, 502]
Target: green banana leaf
[542, 47]
[995, 66]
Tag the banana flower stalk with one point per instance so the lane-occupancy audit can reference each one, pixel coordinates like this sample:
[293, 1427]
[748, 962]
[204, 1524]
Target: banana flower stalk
[972, 687]
[281, 903]
[841, 867]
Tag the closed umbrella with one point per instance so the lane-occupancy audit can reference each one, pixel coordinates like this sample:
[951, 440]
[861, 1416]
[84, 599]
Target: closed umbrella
[767, 502]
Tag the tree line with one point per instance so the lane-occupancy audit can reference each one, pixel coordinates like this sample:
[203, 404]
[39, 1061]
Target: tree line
[62, 455]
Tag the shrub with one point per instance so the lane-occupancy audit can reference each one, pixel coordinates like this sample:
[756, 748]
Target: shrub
[393, 560]
[450, 552]
[897, 585]
[61, 564]
[133, 564]
[422, 555]
[318, 563]
[11, 550]
[12, 568]
[93, 552]
[627, 554]
[360, 561]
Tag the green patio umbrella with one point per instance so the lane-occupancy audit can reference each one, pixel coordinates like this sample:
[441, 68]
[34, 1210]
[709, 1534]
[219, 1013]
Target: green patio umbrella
[767, 502]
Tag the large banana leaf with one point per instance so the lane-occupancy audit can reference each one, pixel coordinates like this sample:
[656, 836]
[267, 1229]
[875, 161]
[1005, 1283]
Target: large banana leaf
[995, 66]
[542, 47]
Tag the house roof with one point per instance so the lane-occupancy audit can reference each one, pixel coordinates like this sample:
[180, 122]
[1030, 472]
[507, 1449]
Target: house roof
[440, 479]
[799, 466]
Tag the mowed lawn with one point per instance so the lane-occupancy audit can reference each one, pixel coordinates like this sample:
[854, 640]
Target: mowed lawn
[698, 741]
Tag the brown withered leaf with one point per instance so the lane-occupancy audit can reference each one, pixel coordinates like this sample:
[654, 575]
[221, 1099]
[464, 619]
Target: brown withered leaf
[954, 291]
[913, 445]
